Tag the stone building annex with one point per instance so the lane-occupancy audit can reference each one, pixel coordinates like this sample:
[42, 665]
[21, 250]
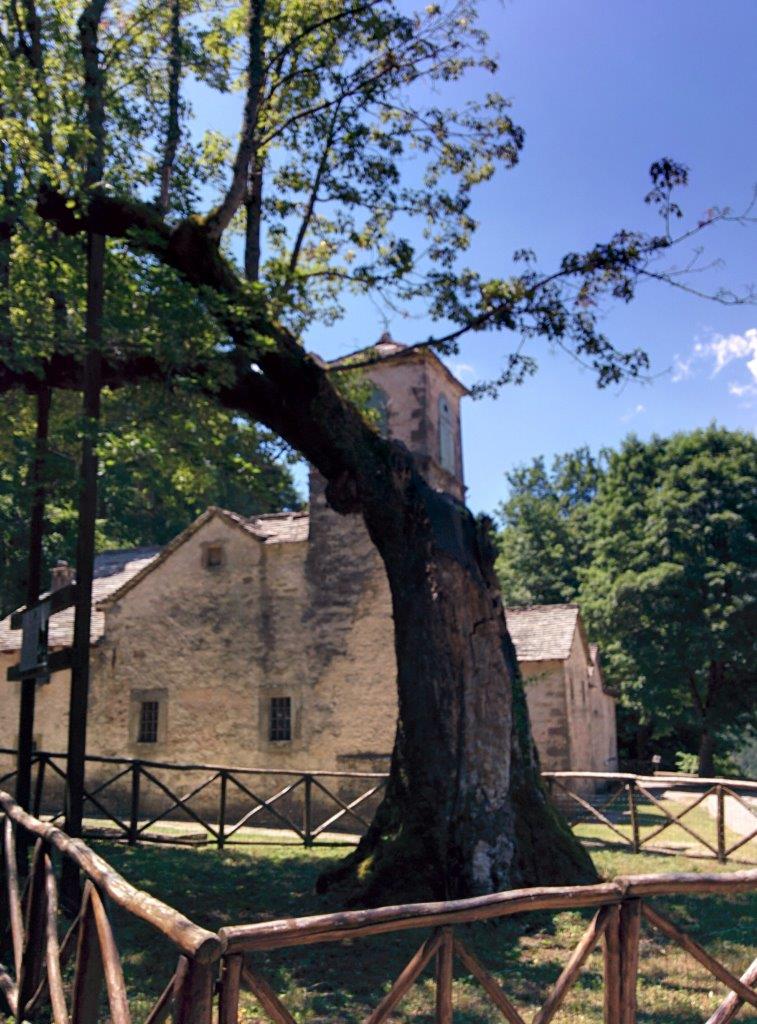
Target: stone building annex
[267, 642]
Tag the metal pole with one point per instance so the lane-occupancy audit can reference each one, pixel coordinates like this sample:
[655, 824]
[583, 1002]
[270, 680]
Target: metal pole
[85, 555]
[39, 784]
[33, 587]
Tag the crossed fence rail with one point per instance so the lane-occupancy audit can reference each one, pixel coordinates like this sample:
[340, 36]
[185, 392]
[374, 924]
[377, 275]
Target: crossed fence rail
[212, 969]
[134, 796]
[147, 801]
[629, 798]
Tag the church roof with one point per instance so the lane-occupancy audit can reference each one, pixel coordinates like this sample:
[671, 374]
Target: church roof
[542, 632]
[117, 571]
[112, 570]
[277, 527]
[387, 349]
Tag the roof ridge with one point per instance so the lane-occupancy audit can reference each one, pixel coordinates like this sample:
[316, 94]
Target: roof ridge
[297, 513]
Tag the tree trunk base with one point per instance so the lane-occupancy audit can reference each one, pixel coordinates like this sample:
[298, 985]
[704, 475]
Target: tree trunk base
[398, 860]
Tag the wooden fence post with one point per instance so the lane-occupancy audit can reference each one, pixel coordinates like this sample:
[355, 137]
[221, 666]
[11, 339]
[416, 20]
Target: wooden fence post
[133, 837]
[307, 819]
[629, 932]
[194, 996]
[632, 810]
[612, 987]
[89, 973]
[35, 945]
[222, 811]
[722, 857]
[444, 969]
[228, 995]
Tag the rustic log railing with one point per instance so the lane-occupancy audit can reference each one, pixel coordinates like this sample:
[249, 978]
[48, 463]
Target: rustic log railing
[212, 969]
[30, 919]
[630, 793]
[133, 797]
[303, 803]
[621, 907]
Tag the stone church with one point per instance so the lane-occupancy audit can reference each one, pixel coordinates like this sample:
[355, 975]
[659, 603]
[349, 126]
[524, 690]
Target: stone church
[267, 642]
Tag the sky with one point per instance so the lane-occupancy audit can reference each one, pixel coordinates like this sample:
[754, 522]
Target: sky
[603, 89]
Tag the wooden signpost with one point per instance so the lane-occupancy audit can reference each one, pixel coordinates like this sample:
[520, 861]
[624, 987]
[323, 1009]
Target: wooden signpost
[37, 662]
[36, 665]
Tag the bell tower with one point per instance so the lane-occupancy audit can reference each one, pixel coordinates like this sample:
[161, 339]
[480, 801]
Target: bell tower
[418, 400]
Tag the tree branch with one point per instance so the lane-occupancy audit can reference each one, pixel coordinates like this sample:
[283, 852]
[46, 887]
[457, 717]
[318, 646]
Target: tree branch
[308, 215]
[220, 219]
[173, 132]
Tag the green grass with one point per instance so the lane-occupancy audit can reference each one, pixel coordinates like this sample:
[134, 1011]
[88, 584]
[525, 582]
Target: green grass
[341, 982]
[674, 838]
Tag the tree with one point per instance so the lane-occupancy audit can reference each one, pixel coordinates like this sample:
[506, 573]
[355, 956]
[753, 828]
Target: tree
[164, 457]
[336, 99]
[544, 544]
[669, 592]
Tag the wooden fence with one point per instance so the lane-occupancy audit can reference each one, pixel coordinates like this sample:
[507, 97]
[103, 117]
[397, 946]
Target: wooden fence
[135, 797]
[39, 977]
[627, 799]
[147, 801]
[212, 969]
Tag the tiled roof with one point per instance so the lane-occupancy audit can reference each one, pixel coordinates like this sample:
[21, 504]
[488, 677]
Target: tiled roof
[116, 569]
[274, 527]
[542, 632]
[112, 570]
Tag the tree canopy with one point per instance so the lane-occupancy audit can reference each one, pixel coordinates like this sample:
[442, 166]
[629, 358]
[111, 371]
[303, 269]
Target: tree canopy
[657, 545]
[207, 257]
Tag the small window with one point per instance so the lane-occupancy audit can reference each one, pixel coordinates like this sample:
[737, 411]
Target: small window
[149, 712]
[446, 436]
[280, 727]
[213, 556]
[378, 404]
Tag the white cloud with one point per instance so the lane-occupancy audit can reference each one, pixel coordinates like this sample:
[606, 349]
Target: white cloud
[721, 351]
[636, 411]
[681, 369]
[742, 390]
[463, 369]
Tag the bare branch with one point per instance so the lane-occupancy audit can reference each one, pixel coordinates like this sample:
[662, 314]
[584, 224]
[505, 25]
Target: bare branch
[173, 132]
[308, 215]
[220, 219]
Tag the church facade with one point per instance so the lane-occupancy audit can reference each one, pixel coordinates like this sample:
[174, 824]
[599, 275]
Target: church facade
[267, 642]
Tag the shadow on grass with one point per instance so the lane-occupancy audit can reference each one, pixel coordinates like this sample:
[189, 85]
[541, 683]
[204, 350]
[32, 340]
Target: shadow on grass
[342, 982]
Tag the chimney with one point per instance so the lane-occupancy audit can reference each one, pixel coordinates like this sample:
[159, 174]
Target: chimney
[61, 575]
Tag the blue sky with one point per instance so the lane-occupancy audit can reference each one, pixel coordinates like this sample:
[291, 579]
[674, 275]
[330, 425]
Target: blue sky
[603, 89]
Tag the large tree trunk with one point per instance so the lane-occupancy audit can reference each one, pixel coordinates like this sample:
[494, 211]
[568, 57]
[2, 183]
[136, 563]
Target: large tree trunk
[715, 676]
[464, 811]
[706, 753]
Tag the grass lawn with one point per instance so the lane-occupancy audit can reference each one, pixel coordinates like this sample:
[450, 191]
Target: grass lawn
[342, 982]
[674, 837]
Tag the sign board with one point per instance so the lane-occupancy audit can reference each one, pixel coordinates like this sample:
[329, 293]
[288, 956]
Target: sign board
[36, 661]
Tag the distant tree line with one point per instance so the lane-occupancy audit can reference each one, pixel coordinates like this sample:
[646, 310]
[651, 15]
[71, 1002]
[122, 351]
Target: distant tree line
[657, 543]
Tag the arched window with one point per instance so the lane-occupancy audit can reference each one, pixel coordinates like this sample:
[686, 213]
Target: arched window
[378, 403]
[446, 436]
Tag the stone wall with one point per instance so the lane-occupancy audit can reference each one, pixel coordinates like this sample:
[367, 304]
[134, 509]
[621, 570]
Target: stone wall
[545, 695]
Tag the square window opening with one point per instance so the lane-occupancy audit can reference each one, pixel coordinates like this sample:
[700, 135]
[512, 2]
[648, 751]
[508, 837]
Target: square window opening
[280, 726]
[213, 556]
[149, 713]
